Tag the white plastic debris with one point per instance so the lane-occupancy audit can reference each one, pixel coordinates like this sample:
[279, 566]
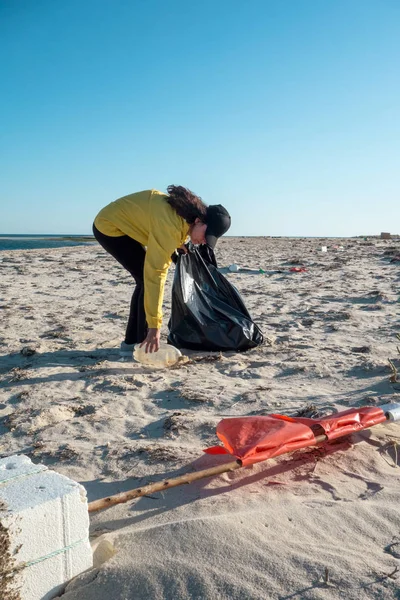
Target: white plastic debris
[392, 411]
[44, 530]
[234, 268]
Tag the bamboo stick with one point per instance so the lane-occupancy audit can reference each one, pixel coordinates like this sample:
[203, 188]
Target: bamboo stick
[162, 485]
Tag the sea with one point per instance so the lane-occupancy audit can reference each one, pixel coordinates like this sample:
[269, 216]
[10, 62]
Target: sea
[35, 242]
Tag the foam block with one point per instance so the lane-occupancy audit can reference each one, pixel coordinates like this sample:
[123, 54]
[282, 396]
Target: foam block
[44, 530]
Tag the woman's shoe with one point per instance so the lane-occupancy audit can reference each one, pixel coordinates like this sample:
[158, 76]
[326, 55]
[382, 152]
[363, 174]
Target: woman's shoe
[126, 349]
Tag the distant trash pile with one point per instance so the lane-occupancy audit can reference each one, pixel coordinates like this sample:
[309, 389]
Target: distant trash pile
[392, 253]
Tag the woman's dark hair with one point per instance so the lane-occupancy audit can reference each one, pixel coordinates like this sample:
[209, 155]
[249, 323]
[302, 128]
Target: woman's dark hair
[188, 206]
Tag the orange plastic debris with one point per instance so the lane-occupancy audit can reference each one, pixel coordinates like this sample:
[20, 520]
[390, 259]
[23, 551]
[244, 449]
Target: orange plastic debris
[254, 439]
[348, 421]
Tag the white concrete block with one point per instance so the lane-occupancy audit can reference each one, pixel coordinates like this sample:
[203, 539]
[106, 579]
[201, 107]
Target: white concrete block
[44, 530]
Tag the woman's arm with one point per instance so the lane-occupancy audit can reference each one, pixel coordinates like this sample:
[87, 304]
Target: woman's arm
[158, 259]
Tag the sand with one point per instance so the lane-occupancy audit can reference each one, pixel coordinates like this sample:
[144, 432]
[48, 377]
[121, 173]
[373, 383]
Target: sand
[319, 523]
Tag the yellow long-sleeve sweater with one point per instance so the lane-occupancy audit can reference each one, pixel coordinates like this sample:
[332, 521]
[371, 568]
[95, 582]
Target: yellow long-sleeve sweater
[150, 220]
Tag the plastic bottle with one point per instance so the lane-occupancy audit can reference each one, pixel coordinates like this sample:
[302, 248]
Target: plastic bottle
[166, 356]
[392, 411]
[234, 268]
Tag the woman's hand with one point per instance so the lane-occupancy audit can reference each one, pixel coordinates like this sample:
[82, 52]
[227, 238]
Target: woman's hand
[152, 341]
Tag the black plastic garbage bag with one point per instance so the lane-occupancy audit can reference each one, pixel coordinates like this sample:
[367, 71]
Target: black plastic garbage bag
[207, 311]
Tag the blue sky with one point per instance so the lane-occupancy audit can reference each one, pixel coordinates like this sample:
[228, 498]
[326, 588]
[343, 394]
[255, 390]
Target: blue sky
[284, 111]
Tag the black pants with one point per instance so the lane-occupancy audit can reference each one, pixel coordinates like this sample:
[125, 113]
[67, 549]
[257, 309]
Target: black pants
[130, 254]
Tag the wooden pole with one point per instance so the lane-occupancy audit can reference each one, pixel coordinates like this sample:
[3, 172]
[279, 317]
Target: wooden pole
[159, 486]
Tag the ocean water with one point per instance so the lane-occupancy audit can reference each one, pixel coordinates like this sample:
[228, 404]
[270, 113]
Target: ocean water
[31, 242]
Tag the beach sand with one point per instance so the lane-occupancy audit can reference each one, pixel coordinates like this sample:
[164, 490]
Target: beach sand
[321, 523]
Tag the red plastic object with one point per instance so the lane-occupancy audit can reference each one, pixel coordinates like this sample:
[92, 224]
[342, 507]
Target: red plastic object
[254, 439]
[347, 421]
[298, 270]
